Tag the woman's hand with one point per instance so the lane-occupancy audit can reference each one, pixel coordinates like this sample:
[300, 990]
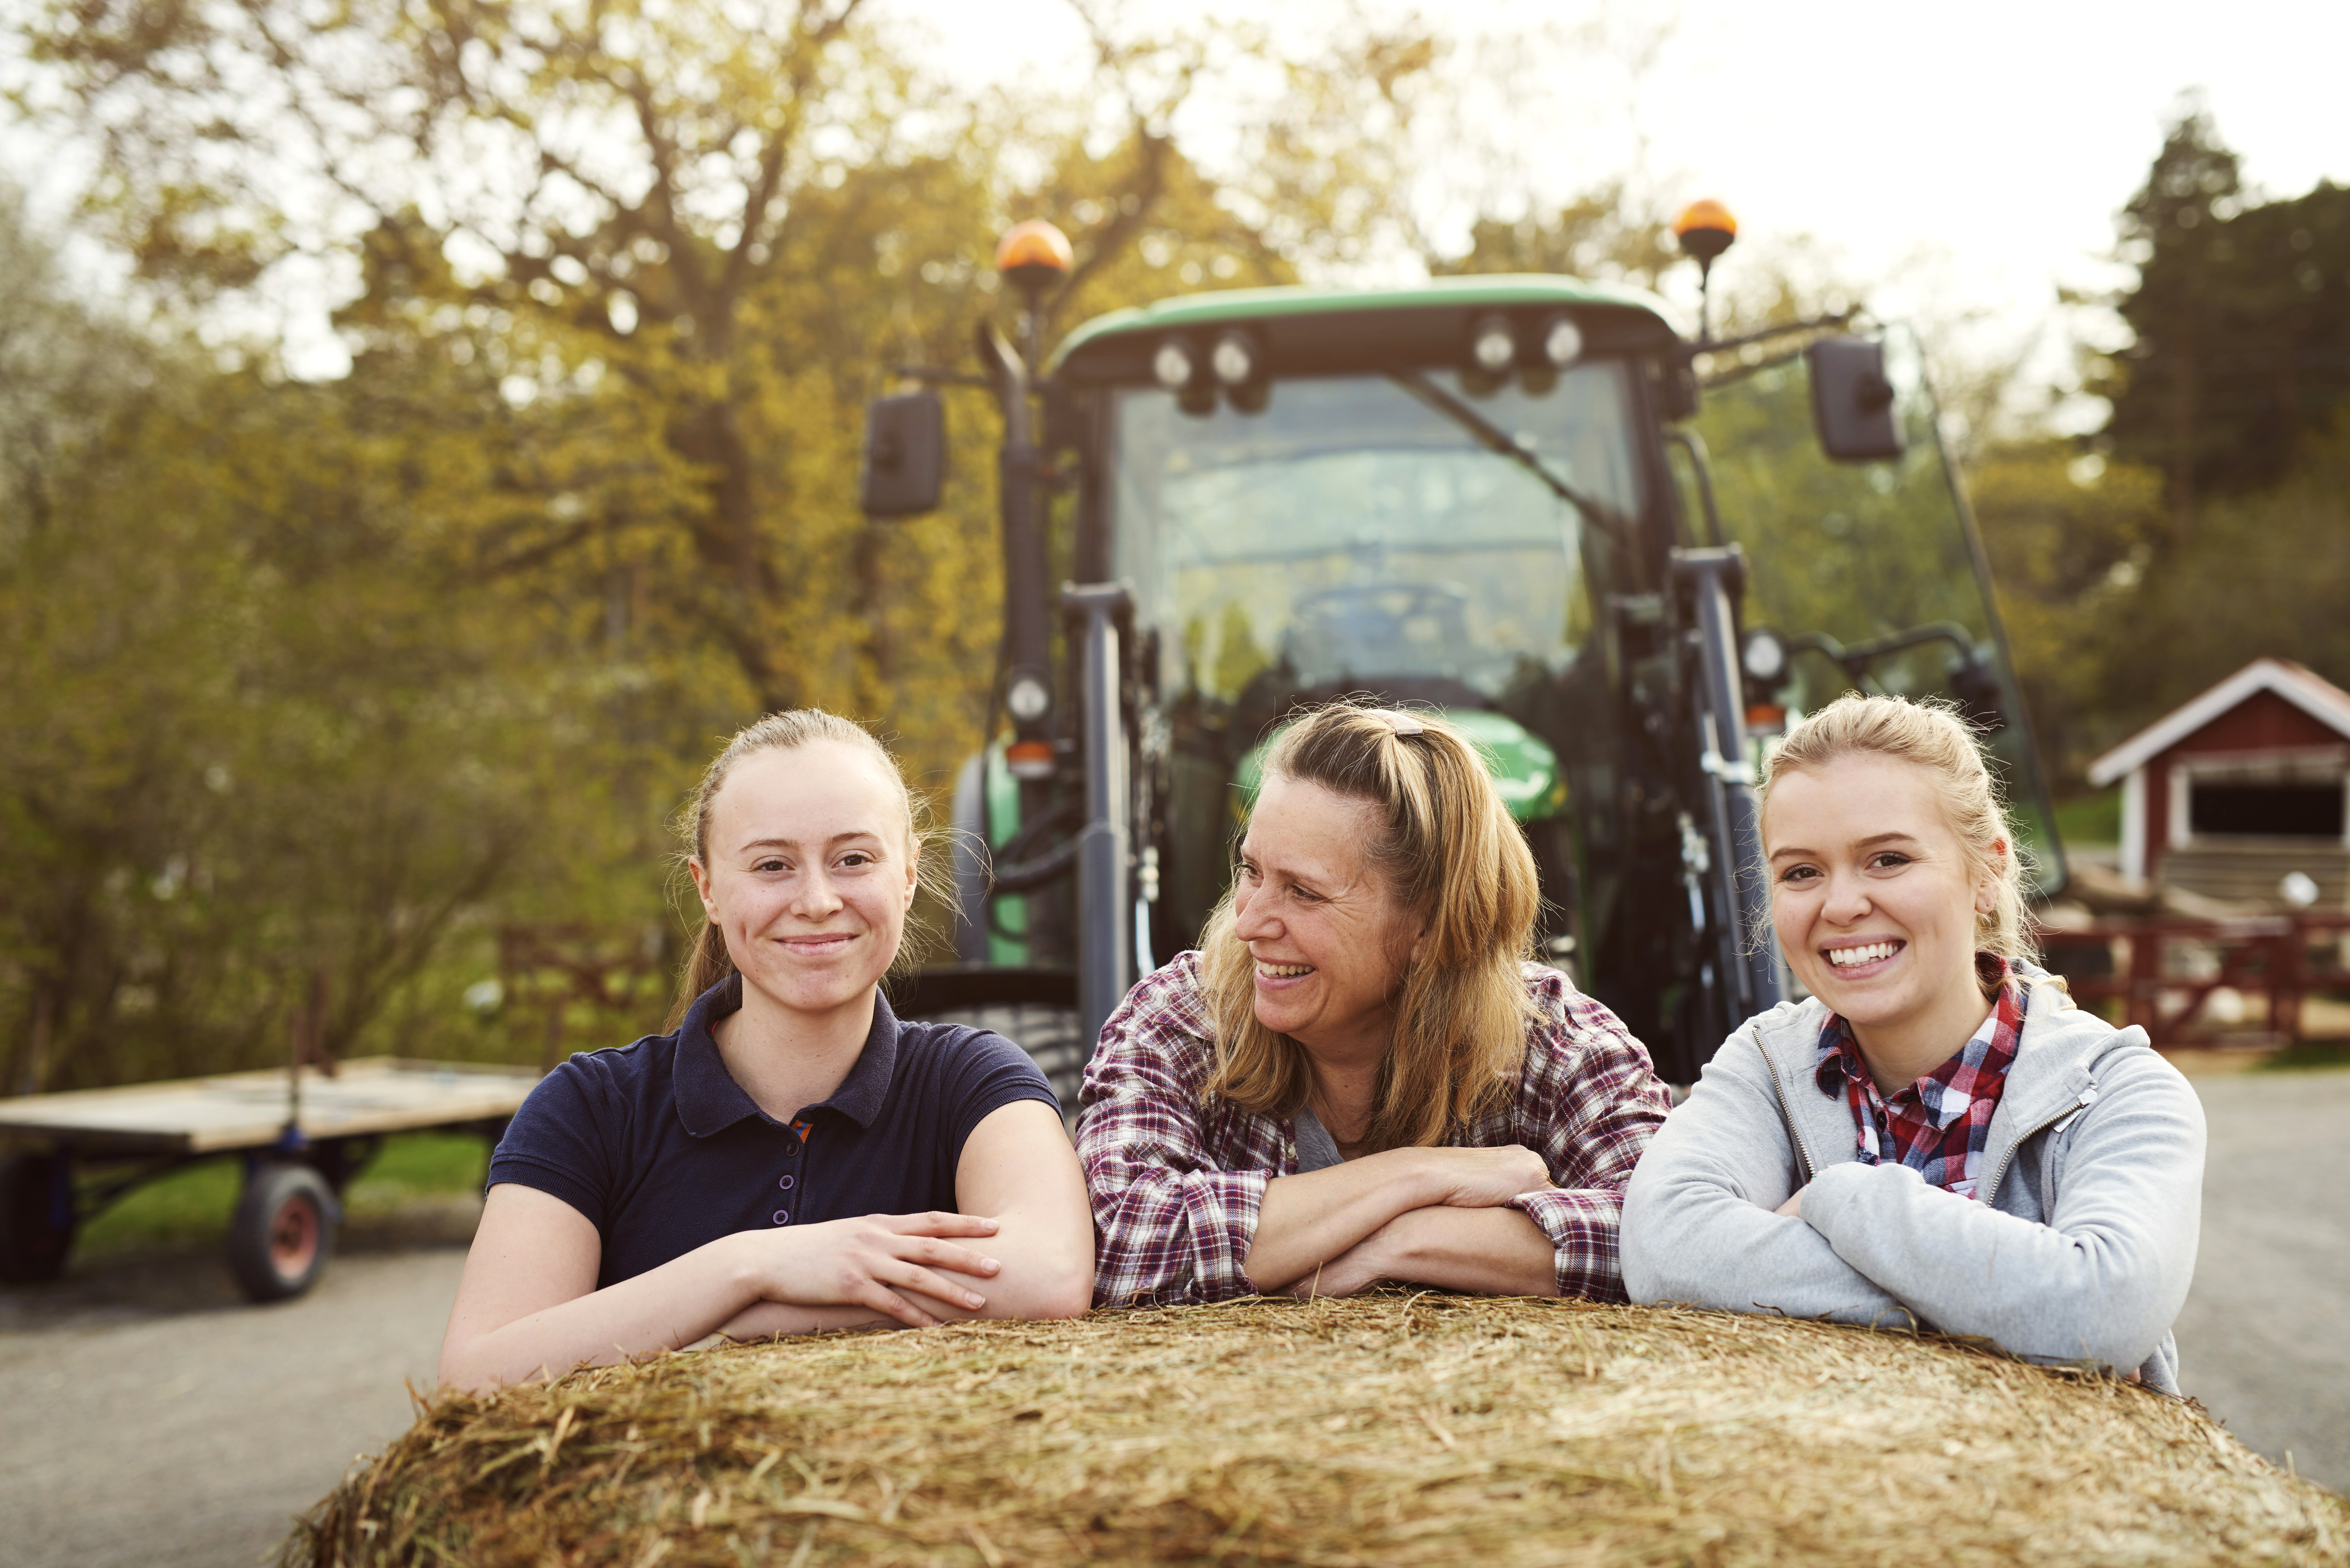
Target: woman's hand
[1793, 1207]
[1351, 1272]
[1485, 1178]
[1494, 1250]
[867, 1262]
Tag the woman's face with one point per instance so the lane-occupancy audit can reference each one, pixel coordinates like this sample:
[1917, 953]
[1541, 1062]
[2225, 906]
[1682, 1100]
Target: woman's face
[1871, 896]
[810, 873]
[1329, 937]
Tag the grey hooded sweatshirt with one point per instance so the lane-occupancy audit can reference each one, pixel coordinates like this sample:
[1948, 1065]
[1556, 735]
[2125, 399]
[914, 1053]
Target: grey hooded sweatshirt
[2079, 1247]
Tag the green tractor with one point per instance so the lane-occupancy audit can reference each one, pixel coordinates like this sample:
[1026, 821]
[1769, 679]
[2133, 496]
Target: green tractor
[1622, 558]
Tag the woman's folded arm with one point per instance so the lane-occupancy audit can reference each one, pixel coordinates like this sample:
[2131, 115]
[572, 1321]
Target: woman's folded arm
[2102, 1281]
[1699, 1225]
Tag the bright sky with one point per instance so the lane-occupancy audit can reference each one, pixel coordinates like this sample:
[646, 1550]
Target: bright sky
[1955, 160]
[1958, 163]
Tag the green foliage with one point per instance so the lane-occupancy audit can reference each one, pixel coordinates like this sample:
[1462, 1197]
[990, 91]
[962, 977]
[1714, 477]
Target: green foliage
[2241, 318]
[2069, 542]
[343, 680]
[417, 1165]
[1598, 235]
[2091, 819]
[2264, 572]
[192, 1205]
[2216, 532]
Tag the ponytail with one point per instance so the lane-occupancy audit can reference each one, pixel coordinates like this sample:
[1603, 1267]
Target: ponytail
[707, 963]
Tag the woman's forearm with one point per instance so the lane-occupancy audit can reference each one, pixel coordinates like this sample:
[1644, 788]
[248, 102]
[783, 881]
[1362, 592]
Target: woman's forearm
[1306, 1221]
[1490, 1252]
[1049, 1272]
[682, 1301]
[767, 1320]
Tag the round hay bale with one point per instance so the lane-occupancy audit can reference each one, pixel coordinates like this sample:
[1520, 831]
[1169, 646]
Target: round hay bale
[1393, 1429]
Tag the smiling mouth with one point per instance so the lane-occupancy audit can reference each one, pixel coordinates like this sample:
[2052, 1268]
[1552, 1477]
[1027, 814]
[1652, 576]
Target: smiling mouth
[1283, 970]
[1865, 953]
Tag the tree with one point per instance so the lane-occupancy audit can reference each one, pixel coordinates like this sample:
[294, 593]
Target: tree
[2069, 541]
[1602, 234]
[2240, 321]
[257, 736]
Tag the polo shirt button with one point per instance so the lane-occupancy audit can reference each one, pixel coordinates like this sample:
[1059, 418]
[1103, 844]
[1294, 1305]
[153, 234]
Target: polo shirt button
[783, 1216]
[785, 1183]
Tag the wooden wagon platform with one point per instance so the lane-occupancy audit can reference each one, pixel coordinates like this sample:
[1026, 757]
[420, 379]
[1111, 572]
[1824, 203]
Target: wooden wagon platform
[369, 1096]
[304, 1135]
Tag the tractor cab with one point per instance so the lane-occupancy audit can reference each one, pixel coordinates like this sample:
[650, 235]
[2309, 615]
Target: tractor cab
[1621, 560]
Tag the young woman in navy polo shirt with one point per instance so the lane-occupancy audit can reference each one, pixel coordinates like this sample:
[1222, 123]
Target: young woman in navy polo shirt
[792, 1157]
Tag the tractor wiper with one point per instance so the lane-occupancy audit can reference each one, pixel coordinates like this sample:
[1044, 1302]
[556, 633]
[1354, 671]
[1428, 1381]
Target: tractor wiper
[1495, 439]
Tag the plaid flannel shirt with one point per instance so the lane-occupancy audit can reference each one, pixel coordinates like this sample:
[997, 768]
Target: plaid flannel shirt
[1937, 1125]
[1176, 1184]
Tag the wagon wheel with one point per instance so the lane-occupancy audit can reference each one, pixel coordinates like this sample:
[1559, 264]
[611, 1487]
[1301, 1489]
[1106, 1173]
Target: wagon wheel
[36, 1216]
[284, 1226]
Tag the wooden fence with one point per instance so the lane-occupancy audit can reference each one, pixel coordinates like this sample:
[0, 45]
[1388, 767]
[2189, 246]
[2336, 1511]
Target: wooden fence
[2167, 974]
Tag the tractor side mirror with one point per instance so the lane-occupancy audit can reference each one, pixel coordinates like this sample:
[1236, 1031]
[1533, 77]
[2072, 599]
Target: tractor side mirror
[905, 454]
[1675, 380]
[1852, 400]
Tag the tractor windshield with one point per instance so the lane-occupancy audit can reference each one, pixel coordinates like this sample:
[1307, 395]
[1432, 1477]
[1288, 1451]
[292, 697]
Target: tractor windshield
[1353, 532]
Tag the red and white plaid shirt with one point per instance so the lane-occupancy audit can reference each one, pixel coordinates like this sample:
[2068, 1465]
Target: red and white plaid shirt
[1176, 1183]
[1940, 1126]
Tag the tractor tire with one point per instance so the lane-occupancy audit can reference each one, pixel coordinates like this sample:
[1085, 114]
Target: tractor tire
[1051, 1035]
[284, 1229]
[36, 1217]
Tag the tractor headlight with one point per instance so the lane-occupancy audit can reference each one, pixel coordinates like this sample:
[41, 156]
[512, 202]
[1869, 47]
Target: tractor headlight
[1170, 366]
[1763, 657]
[1027, 699]
[1493, 345]
[1562, 343]
[1234, 359]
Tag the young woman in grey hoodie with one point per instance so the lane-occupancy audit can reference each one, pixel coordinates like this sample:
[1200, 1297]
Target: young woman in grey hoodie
[1937, 1135]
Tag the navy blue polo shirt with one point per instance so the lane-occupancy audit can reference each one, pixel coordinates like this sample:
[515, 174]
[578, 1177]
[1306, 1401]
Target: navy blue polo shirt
[663, 1152]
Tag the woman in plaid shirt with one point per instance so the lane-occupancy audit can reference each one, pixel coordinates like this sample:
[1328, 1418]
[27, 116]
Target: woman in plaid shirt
[1361, 1076]
[1937, 1135]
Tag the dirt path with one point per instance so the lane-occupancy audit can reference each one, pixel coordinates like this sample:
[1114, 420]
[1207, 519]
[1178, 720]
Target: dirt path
[150, 1417]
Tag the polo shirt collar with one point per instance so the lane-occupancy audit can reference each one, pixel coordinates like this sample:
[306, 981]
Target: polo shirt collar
[710, 1101]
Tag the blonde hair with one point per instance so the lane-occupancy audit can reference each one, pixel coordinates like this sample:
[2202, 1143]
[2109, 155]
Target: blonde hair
[1931, 735]
[1451, 854]
[707, 962]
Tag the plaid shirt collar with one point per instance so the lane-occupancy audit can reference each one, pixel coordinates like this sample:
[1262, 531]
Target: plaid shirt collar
[1938, 1126]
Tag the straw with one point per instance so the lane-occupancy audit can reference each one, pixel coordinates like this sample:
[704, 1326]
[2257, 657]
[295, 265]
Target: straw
[1393, 1429]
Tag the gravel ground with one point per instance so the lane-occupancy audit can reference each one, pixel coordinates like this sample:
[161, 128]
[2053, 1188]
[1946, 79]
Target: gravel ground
[152, 1417]
[2262, 1341]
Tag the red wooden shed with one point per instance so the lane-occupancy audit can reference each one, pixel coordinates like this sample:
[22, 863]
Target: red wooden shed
[2236, 792]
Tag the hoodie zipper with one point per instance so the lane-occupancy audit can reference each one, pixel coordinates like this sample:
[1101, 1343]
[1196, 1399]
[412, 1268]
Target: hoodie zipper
[1787, 1113]
[2058, 1121]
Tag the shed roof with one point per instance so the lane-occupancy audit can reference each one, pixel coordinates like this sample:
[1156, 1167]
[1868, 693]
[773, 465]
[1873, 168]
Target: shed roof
[2302, 687]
